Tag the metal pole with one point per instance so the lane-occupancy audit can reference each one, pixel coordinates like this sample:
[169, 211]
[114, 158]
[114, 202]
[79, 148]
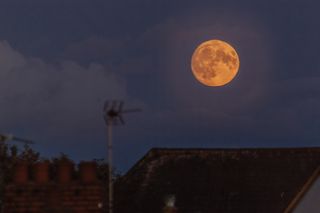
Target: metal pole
[110, 166]
[113, 113]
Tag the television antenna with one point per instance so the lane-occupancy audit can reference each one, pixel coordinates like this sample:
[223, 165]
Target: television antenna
[9, 137]
[113, 111]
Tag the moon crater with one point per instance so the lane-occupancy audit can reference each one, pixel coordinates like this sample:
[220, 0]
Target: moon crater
[215, 63]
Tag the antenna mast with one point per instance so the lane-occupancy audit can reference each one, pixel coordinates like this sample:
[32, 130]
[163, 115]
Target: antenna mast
[113, 116]
[8, 137]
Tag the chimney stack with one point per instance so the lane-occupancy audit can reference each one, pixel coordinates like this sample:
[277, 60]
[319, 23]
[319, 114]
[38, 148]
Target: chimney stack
[41, 172]
[21, 173]
[64, 171]
[88, 172]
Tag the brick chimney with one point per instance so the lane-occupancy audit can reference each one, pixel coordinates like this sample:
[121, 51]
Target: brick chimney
[61, 194]
[88, 171]
[65, 170]
[21, 172]
[41, 172]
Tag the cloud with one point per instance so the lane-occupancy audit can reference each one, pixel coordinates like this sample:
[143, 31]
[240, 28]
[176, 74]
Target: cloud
[174, 41]
[256, 108]
[53, 99]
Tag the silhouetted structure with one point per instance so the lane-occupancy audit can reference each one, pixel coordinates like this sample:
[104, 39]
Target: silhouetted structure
[176, 181]
[8, 137]
[61, 193]
[112, 115]
[219, 180]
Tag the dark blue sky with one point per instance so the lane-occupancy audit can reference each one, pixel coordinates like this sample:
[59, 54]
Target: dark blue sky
[59, 61]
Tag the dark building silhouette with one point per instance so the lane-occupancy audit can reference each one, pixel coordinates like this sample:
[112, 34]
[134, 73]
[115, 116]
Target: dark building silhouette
[219, 180]
[59, 194]
[176, 181]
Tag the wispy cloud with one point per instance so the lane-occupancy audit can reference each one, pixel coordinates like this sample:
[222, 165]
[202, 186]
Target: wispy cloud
[62, 97]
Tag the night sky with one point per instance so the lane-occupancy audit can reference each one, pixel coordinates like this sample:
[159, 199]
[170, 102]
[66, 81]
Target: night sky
[60, 60]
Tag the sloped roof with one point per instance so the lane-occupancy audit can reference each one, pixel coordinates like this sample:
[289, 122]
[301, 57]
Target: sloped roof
[217, 180]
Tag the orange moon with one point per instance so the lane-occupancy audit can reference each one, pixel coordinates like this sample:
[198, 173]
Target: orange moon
[215, 63]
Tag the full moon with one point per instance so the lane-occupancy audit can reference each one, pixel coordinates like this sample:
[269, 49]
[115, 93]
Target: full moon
[215, 63]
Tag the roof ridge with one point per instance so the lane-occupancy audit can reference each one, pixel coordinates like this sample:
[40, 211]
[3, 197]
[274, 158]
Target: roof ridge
[233, 148]
[159, 151]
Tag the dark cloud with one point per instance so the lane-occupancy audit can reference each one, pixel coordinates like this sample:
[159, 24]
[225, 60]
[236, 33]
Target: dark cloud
[64, 58]
[257, 109]
[53, 99]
